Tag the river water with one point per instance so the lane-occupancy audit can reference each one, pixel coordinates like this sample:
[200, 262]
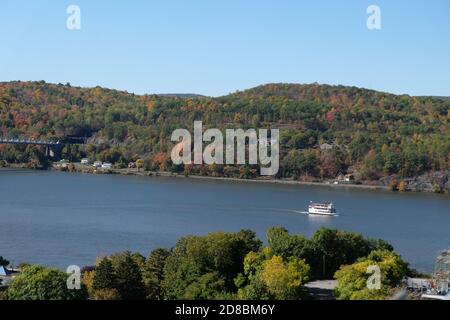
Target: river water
[60, 219]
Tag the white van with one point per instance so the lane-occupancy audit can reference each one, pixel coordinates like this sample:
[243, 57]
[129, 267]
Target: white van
[107, 165]
[97, 164]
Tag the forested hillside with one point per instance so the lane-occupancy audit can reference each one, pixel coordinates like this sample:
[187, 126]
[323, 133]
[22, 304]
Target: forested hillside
[325, 130]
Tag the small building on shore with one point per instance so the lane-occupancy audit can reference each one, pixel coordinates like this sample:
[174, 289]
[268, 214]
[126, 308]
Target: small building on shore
[107, 165]
[345, 177]
[4, 272]
[97, 164]
[6, 276]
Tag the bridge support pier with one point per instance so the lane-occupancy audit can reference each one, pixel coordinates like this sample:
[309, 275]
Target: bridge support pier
[55, 152]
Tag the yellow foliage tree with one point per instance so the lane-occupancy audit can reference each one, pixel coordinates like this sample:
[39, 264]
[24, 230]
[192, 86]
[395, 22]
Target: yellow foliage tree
[393, 185]
[285, 279]
[403, 186]
[106, 294]
[139, 164]
[87, 279]
[353, 279]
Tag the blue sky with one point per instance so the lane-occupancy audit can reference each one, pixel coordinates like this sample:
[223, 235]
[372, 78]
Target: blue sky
[215, 47]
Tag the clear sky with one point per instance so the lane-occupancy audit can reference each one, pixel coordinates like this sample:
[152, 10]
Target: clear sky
[215, 47]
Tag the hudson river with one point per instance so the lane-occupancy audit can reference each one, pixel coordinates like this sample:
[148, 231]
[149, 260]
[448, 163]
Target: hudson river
[60, 219]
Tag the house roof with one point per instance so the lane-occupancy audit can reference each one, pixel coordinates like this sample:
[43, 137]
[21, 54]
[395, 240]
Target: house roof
[3, 271]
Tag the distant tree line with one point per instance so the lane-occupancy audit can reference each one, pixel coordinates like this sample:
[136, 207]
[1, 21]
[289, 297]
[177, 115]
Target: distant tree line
[225, 265]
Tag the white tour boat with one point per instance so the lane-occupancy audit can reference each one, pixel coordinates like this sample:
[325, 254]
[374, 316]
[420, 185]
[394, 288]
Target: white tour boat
[325, 209]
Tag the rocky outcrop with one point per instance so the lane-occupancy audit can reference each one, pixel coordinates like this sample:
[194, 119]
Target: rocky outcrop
[429, 182]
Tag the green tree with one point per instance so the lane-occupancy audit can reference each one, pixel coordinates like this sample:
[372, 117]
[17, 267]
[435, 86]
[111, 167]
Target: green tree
[104, 275]
[193, 257]
[209, 286]
[392, 162]
[139, 259]
[256, 289]
[285, 245]
[128, 277]
[327, 249]
[251, 285]
[153, 273]
[352, 279]
[40, 283]
[331, 248]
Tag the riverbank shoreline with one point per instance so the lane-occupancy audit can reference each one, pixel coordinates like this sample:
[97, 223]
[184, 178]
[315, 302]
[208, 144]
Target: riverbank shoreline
[135, 172]
[284, 182]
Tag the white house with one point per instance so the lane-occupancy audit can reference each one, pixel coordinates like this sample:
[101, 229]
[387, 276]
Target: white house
[85, 161]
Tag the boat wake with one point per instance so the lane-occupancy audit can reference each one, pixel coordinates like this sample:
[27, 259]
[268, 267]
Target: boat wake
[302, 212]
[306, 213]
[316, 215]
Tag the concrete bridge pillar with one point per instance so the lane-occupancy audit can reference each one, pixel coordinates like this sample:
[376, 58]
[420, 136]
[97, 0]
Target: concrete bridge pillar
[55, 152]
